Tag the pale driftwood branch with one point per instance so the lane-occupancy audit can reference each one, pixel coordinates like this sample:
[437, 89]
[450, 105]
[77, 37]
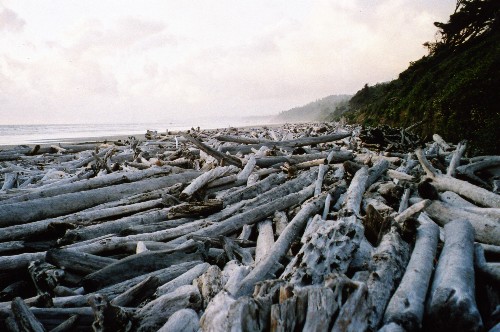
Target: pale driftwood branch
[184, 279]
[205, 178]
[355, 192]
[406, 306]
[221, 157]
[452, 303]
[265, 240]
[268, 265]
[185, 320]
[455, 160]
[443, 183]
[412, 211]
[470, 169]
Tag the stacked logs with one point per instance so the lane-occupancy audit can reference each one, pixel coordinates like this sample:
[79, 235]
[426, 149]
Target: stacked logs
[297, 227]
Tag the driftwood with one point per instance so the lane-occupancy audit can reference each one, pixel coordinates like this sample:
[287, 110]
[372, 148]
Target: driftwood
[452, 303]
[257, 247]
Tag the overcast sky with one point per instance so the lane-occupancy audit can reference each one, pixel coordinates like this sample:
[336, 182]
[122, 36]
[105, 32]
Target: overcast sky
[64, 61]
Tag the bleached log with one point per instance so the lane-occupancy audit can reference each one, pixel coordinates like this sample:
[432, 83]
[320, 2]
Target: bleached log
[280, 222]
[354, 313]
[483, 267]
[412, 211]
[328, 247]
[156, 313]
[214, 318]
[339, 156]
[185, 320]
[403, 205]
[399, 175]
[443, 183]
[94, 183]
[243, 315]
[455, 159]
[441, 142]
[355, 192]
[246, 231]
[321, 307]
[265, 240]
[10, 181]
[288, 143]
[25, 212]
[138, 293]
[268, 266]
[319, 180]
[486, 229]
[254, 190]
[209, 283]
[138, 264]
[184, 279]
[406, 306]
[470, 169]
[205, 178]
[68, 325]
[163, 275]
[240, 139]
[78, 262]
[452, 303]
[452, 198]
[20, 261]
[108, 317]
[249, 166]
[25, 319]
[388, 266]
[376, 171]
[221, 157]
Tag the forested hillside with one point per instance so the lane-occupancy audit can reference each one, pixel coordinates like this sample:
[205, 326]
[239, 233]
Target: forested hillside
[316, 111]
[455, 89]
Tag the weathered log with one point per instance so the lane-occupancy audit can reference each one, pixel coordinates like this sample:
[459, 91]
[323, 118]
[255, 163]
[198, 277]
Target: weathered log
[25, 319]
[233, 274]
[254, 190]
[321, 308]
[68, 325]
[355, 192]
[288, 143]
[221, 157]
[483, 267]
[185, 320]
[138, 264]
[10, 181]
[155, 314]
[452, 303]
[339, 156]
[486, 229]
[455, 159]
[78, 262]
[234, 251]
[388, 266]
[25, 212]
[376, 171]
[328, 247]
[443, 183]
[45, 276]
[210, 283]
[205, 178]
[406, 306]
[319, 180]
[94, 183]
[470, 169]
[195, 209]
[184, 279]
[265, 240]
[108, 317]
[214, 318]
[140, 292]
[268, 266]
[163, 275]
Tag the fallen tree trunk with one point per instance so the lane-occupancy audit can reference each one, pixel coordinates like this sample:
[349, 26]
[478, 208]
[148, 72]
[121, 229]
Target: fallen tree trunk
[452, 303]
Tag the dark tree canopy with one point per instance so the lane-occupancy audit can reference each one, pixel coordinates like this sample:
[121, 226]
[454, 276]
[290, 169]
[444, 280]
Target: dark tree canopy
[471, 19]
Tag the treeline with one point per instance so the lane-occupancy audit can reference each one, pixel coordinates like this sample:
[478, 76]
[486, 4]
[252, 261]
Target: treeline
[454, 89]
[318, 110]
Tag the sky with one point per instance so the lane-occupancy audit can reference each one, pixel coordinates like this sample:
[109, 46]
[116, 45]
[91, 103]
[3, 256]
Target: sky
[68, 61]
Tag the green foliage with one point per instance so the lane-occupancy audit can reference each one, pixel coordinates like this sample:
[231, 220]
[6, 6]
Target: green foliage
[319, 110]
[455, 91]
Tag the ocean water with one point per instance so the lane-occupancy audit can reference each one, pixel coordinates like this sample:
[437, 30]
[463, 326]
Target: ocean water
[57, 133]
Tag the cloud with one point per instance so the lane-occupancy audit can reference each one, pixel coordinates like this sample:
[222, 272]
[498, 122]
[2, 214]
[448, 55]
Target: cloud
[10, 21]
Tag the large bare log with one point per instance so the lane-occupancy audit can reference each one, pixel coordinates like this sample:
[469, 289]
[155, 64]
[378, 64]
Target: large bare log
[138, 264]
[288, 143]
[109, 317]
[268, 266]
[455, 159]
[25, 212]
[254, 190]
[205, 178]
[155, 314]
[78, 262]
[486, 229]
[406, 306]
[94, 183]
[444, 182]
[221, 157]
[355, 192]
[452, 303]
[483, 267]
[470, 169]
[388, 266]
[184, 279]
[214, 318]
[185, 320]
[339, 156]
[265, 240]
[25, 319]
[140, 292]
[328, 247]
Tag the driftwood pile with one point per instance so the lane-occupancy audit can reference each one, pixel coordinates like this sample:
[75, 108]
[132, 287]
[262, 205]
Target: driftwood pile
[295, 228]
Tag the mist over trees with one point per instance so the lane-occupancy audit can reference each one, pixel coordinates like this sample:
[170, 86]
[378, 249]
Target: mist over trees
[318, 110]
